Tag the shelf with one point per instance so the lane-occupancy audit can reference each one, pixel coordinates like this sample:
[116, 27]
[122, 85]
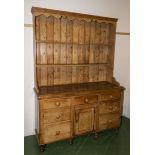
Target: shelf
[39, 65]
[48, 41]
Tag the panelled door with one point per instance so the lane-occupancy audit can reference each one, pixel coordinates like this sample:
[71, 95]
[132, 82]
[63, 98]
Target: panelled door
[84, 120]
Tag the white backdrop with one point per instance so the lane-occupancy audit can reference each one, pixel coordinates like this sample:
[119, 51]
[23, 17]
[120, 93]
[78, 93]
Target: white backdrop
[110, 8]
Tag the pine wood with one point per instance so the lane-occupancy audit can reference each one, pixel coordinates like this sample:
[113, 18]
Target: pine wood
[74, 83]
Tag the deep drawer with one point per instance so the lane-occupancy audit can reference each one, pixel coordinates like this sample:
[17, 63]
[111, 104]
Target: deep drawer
[109, 121]
[109, 107]
[55, 115]
[54, 103]
[54, 132]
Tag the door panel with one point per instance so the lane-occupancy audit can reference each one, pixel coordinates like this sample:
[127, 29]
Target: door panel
[84, 120]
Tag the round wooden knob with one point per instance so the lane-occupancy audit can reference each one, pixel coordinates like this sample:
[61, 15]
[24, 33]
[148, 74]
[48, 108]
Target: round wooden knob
[58, 116]
[57, 103]
[110, 107]
[111, 96]
[110, 121]
[86, 100]
[57, 132]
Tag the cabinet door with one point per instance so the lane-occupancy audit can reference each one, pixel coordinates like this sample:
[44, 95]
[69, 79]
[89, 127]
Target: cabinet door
[84, 120]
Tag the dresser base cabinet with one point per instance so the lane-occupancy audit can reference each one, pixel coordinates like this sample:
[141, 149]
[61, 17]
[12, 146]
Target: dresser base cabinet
[65, 113]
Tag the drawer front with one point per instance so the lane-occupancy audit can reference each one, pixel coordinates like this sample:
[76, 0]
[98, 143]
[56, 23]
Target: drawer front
[55, 115]
[54, 103]
[54, 132]
[109, 121]
[109, 107]
[86, 99]
[114, 95]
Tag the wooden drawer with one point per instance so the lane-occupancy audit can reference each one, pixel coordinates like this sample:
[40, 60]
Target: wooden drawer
[114, 95]
[109, 121]
[86, 99]
[109, 107]
[54, 132]
[55, 115]
[54, 103]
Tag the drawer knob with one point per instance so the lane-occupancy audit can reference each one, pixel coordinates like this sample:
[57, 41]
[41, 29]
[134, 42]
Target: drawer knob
[57, 103]
[110, 121]
[86, 100]
[58, 116]
[111, 96]
[110, 107]
[57, 132]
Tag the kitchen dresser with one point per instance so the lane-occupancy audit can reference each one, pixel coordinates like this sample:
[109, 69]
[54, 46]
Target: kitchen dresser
[74, 84]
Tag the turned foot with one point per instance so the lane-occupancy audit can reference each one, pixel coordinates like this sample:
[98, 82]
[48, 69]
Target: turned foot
[95, 135]
[116, 130]
[42, 148]
[71, 141]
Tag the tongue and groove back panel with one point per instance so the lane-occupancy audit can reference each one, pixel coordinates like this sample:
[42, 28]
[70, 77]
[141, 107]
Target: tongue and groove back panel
[72, 47]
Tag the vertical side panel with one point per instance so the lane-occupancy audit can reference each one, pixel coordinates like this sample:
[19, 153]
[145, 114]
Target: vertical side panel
[56, 30]
[63, 30]
[57, 53]
[38, 53]
[112, 31]
[75, 54]
[37, 27]
[43, 53]
[87, 32]
[50, 76]
[75, 31]
[69, 53]
[50, 28]
[63, 54]
[42, 27]
[38, 73]
[43, 76]
[98, 33]
[68, 74]
[56, 75]
[81, 32]
[50, 53]
[92, 32]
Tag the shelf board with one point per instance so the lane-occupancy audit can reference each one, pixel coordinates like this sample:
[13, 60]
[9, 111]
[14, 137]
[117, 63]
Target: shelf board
[48, 41]
[40, 65]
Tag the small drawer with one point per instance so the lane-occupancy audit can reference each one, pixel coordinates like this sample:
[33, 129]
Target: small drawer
[55, 115]
[54, 103]
[109, 121]
[109, 107]
[54, 132]
[86, 99]
[116, 95]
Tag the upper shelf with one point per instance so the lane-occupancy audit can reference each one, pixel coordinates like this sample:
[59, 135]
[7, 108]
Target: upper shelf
[57, 42]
